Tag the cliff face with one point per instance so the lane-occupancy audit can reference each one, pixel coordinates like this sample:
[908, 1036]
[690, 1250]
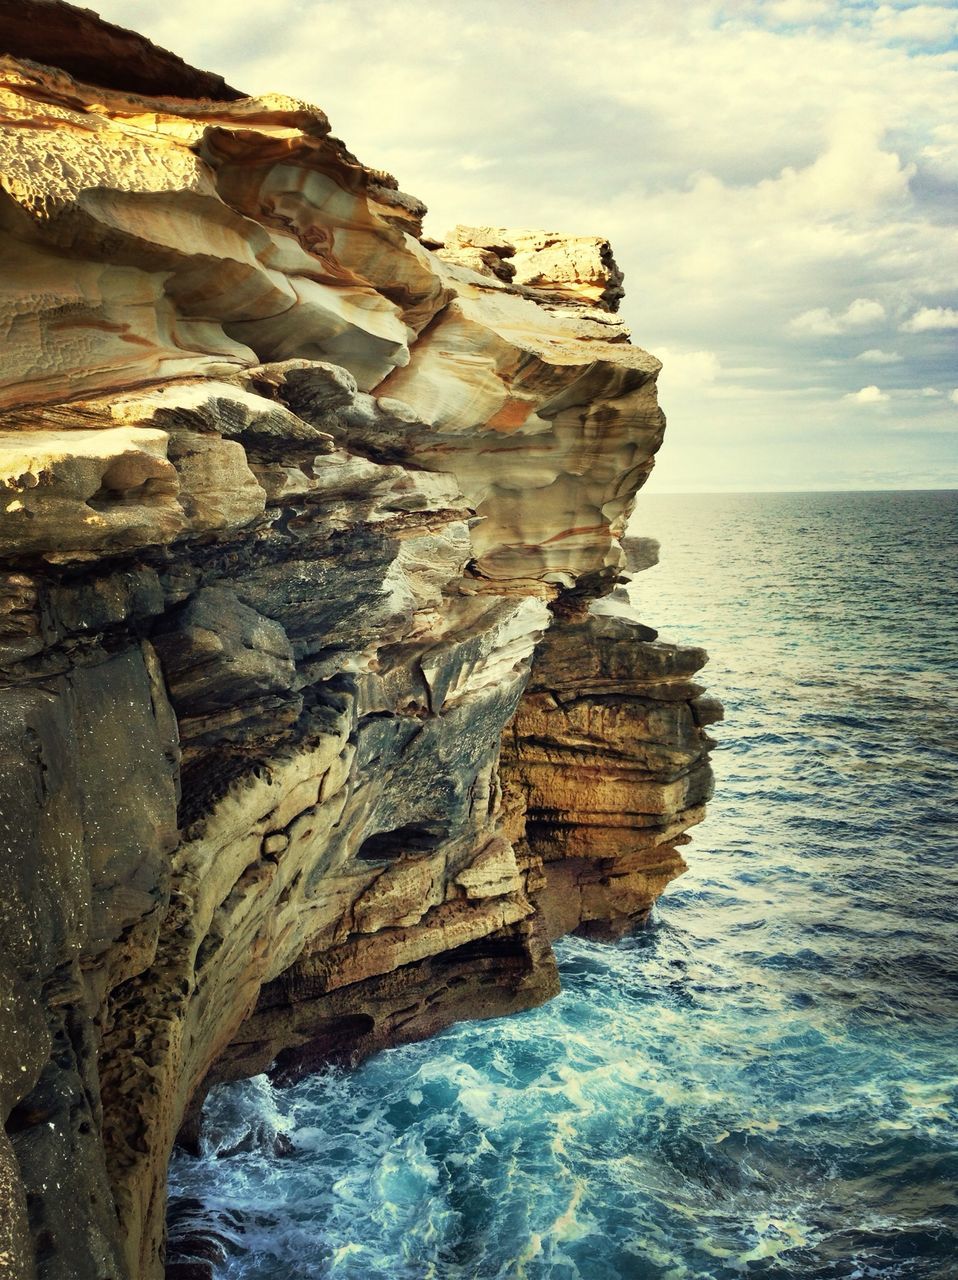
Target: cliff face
[309, 740]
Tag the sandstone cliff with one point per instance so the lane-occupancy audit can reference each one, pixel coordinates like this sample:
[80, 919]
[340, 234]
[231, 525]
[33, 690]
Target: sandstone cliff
[309, 739]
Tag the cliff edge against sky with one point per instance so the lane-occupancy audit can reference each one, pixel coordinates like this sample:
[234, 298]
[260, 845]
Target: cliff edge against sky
[310, 741]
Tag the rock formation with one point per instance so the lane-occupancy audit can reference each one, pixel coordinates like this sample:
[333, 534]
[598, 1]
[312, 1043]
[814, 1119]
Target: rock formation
[300, 522]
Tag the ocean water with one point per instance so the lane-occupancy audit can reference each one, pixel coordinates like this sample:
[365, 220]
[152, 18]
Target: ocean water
[761, 1084]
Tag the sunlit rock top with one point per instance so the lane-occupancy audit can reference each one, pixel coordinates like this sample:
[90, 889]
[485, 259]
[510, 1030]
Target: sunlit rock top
[147, 240]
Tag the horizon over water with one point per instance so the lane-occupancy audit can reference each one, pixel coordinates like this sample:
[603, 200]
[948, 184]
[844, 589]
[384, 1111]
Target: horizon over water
[760, 1084]
[645, 496]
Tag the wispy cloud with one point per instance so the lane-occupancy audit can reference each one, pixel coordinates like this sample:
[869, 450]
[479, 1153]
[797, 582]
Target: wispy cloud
[472, 163]
[876, 356]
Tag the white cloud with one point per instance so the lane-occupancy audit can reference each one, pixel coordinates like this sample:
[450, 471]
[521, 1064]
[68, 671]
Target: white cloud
[953, 396]
[867, 395]
[875, 356]
[919, 23]
[929, 319]
[928, 392]
[863, 313]
[819, 321]
[854, 172]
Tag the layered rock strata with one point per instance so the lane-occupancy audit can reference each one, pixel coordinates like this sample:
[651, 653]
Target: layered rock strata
[309, 740]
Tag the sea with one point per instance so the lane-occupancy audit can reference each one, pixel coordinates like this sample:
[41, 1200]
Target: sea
[763, 1082]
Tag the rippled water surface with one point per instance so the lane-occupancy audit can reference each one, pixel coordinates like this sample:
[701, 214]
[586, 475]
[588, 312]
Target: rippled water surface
[763, 1084]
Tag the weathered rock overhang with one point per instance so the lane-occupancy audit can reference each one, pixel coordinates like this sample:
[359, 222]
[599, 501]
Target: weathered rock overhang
[309, 740]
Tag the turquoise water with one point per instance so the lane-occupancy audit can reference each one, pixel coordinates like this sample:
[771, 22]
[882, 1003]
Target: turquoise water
[763, 1083]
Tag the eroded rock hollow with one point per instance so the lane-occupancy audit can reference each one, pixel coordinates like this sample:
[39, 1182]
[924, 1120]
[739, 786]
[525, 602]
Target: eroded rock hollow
[311, 740]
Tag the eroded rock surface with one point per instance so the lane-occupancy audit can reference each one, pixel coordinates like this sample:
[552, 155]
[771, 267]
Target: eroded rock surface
[309, 740]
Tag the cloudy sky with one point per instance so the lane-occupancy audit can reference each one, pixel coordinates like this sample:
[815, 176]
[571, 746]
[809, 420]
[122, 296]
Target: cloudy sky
[779, 179]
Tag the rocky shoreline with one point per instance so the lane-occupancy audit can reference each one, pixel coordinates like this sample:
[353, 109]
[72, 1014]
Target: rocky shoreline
[312, 738]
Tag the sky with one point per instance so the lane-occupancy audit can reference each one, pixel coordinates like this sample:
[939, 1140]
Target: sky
[778, 178]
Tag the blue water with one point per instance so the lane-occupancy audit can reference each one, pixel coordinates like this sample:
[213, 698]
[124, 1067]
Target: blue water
[763, 1083]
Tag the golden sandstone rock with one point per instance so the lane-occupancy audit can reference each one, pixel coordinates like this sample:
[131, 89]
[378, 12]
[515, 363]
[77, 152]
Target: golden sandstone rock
[300, 522]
